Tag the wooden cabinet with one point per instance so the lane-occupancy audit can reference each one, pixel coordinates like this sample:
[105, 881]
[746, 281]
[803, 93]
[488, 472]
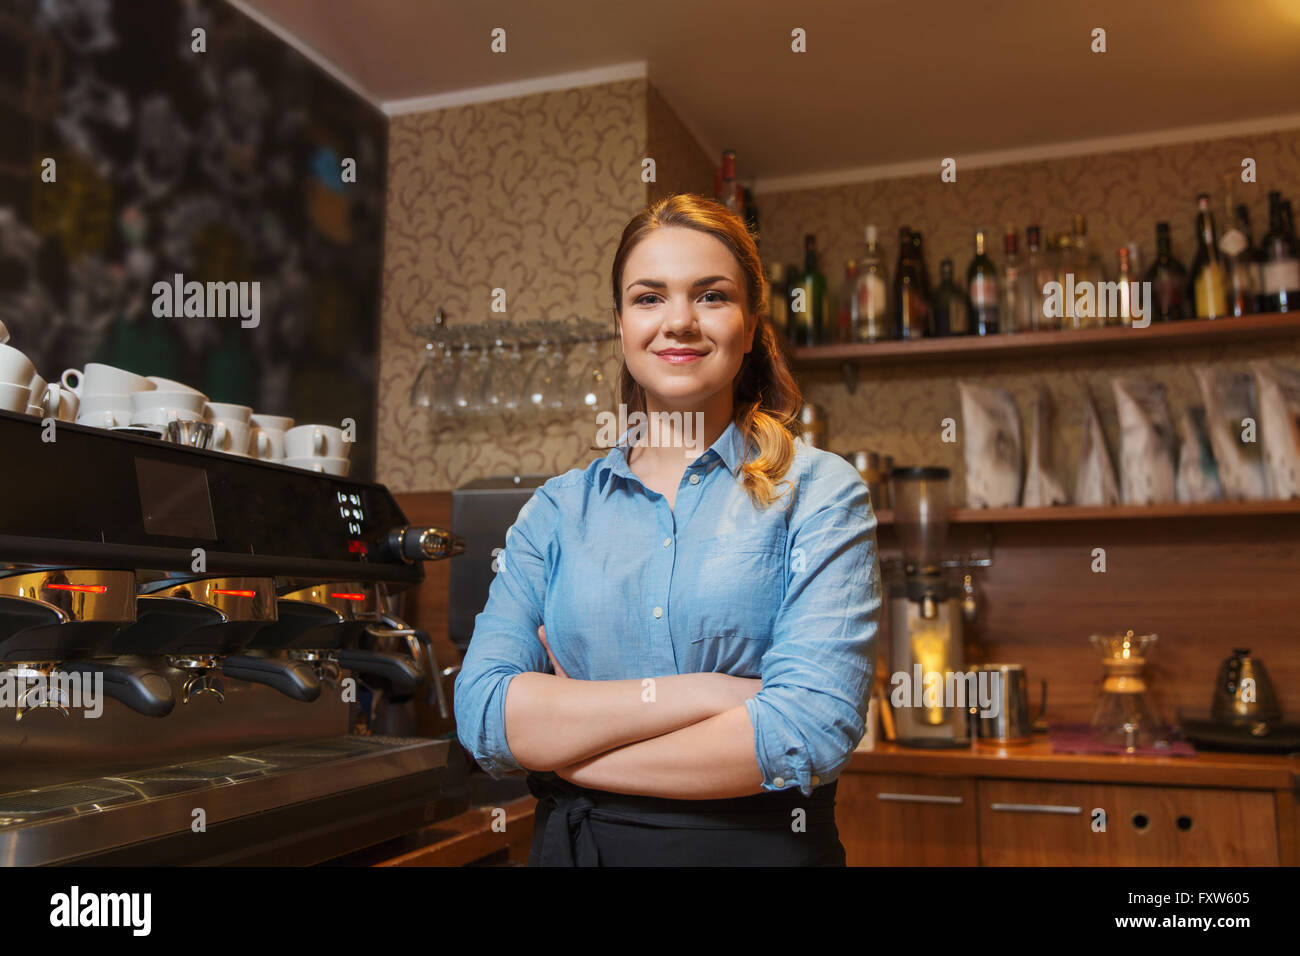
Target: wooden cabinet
[906, 820]
[1039, 823]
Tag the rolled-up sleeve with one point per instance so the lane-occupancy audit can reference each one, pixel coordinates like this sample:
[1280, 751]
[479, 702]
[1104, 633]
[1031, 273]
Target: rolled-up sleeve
[810, 713]
[505, 643]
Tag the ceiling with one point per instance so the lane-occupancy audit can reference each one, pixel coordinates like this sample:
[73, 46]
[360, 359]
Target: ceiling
[883, 82]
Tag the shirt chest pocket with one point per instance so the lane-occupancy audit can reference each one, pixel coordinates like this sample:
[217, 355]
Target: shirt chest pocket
[740, 590]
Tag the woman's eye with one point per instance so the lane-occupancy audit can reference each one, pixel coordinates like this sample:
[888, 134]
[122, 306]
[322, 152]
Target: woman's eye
[640, 300]
[722, 296]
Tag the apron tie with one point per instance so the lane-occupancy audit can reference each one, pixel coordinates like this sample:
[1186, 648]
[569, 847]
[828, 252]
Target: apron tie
[564, 816]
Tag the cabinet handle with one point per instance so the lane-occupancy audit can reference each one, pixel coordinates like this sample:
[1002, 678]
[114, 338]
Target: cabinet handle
[919, 798]
[1035, 808]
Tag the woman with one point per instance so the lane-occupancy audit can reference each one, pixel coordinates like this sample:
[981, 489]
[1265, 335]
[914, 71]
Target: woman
[680, 641]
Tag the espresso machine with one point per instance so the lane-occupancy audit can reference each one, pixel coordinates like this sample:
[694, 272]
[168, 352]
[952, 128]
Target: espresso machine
[185, 640]
[926, 608]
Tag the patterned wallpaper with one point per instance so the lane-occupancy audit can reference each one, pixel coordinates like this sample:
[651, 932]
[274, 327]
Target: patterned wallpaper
[531, 194]
[898, 411]
[528, 195]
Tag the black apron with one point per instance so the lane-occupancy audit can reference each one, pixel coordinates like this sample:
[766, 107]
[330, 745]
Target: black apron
[577, 826]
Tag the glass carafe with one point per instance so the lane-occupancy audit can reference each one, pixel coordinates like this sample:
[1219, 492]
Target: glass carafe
[1124, 715]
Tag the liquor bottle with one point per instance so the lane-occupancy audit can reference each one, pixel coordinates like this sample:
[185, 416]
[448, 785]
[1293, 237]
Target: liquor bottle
[1208, 284]
[1256, 261]
[1014, 309]
[951, 312]
[1128, 275]
[1168, 279]
[795, 324]
[911, 304]
[777, 302]
[871, 318]
[1238, 259]
[1088, 267]
[813, 284]
[918, 256]
[1039, 272]
[844, 312]
[1281, 268]
[730, 195]
[982, 283]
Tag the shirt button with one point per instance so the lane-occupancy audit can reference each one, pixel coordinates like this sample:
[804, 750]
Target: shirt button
[659, 612]
[816, 780]
[695, 479]
[778, 781]
[668, 542]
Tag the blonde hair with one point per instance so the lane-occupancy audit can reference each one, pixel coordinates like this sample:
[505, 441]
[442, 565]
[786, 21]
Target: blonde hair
[765, 395]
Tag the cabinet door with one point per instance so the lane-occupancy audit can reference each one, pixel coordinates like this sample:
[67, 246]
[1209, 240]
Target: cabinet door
[906, 820]
[1031, 823]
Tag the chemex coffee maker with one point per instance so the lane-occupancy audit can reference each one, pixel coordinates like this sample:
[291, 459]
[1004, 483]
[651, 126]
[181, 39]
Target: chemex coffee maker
[187, 639]
[926, 608]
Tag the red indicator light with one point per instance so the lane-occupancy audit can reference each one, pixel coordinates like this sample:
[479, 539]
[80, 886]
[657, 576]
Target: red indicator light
[84, 588]
[357, 547]
[234, 593]
[347, 597]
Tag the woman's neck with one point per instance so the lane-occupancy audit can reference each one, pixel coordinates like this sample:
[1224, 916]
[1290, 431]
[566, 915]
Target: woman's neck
[677, 435]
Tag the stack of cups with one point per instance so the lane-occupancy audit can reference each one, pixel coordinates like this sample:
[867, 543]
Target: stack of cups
[231, 428]
[106, 395]
[23, 390]
[165, 403]
[317, 448]
[267, 441]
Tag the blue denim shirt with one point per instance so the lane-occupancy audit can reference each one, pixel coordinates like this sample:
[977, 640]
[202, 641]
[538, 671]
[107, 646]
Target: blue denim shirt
[630, 588]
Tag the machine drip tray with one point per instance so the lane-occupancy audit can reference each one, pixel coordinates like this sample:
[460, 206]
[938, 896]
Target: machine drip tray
[75, 820]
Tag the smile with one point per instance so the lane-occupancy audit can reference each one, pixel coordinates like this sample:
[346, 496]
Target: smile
[680, 356]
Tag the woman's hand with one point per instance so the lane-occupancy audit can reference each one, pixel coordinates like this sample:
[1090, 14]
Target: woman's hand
[559, 671]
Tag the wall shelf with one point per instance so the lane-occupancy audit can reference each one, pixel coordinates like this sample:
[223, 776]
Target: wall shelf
[1205, 332]
[1213, 509]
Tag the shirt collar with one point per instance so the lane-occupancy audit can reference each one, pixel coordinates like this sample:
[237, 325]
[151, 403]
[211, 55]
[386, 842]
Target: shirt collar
[729, 448]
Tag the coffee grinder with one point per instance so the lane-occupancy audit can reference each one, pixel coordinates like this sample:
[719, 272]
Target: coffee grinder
[925, 617]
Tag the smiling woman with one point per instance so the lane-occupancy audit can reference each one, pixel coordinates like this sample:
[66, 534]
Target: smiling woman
[678, 648]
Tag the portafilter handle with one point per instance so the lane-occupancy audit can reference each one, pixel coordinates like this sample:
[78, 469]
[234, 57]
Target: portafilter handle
[428, 543]
[420, 646]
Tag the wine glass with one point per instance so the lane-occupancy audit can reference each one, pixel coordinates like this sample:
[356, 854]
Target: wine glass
[590, 388]
[462, 394]
[508, 377]
[493, 371]
[539, 385]
[559, 396]
[424, 392]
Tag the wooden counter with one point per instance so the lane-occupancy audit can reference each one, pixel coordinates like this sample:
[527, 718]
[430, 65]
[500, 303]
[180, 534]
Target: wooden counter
[1036, 761]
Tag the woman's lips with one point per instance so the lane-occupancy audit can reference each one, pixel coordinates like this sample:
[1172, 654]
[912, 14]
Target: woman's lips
[679, 356]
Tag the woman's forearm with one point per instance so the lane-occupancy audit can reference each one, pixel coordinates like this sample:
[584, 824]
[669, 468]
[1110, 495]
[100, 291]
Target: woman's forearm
[552, 721]
[709, 760]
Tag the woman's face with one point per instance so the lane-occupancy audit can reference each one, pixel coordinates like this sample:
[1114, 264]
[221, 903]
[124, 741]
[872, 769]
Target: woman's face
[684, 323]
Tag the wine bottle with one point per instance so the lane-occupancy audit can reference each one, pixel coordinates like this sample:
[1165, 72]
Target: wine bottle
[871, 317]
[950, 312]
[1014, 311]
[813, 284]
[911, 304]
[1039, 270]
[1209, 278]
[982, 283]
[1281, 269]
[1168, 279]
[1238, 256]
[846, 295]
[1127, 277]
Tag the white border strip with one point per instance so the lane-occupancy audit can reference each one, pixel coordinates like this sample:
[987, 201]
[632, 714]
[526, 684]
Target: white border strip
[1006, 157]
[504, 91]
[262, 20]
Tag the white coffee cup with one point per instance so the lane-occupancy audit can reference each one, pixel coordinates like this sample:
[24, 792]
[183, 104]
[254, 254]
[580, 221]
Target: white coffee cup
[104, 411]
[15, 367]
[267, 440]
[223, 411]
[230, 437]
[14, 398]
[37, 391]
[159, 415]
[61, 403]
[100, 379]
[316, 441]
[188, 401]
[328, 466]
[168, 385]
